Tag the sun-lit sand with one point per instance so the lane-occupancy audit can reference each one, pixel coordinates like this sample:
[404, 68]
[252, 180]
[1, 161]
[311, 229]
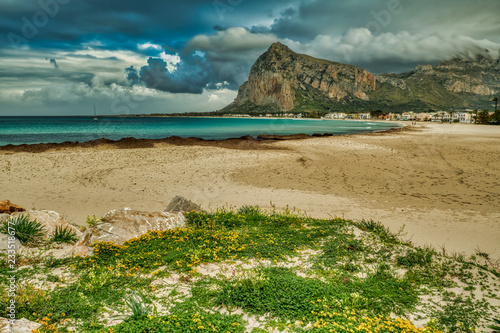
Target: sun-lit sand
[441, 181]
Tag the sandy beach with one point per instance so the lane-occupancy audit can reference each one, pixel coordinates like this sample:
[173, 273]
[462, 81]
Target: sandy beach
[440, 181]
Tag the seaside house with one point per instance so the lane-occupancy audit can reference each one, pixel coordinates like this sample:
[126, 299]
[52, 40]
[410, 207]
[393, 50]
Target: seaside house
[423, 116]
[407, 116]
[440, 116]
[462, 117]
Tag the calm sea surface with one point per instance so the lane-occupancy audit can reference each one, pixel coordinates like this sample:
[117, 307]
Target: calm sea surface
[30, 130]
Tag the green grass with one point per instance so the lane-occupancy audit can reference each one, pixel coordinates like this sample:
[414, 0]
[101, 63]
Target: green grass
[292, 271]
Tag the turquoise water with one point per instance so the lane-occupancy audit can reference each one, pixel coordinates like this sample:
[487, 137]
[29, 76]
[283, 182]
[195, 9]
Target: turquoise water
[31, 130]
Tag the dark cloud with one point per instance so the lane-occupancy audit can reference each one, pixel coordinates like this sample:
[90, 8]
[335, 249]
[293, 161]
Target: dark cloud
[54, 62]
[188, 78]
[477, 19]
[117, 23]
[207, 62]
[132, 75]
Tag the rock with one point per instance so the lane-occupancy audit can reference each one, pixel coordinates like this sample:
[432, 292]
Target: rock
[4, 217]
[5, 244]
[50, 220]
[395, 82]
[276, 75]
[181, 204]
[120, 225]
[82, 247]
[20, 326]
[8, 207]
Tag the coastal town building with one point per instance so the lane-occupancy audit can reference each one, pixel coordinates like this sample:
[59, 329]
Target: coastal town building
[465, 117]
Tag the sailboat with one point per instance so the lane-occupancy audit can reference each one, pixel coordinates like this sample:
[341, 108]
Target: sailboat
[95, 114]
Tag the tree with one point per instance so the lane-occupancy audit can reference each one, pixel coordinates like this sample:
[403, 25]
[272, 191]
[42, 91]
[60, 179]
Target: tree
[483, 117]
[495, 118]
[377, 114]
[495, 99]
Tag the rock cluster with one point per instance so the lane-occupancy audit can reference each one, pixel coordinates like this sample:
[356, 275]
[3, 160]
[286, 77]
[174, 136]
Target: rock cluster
[120, 225]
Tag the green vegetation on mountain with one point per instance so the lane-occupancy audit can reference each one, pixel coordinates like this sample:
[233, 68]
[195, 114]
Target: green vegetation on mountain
[284, 81]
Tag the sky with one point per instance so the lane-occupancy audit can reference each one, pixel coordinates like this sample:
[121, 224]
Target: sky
[62, 57]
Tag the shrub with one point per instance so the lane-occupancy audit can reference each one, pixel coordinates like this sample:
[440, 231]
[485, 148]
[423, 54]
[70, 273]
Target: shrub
[249, 210]
[92, 221]
[377, 228]
[135, 303]
[64, 235]
[25, 230]
[419, 257]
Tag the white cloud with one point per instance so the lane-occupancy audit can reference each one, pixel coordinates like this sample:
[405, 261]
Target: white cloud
[146, 46]
[359, 46]
[235, 39]
[171, 59]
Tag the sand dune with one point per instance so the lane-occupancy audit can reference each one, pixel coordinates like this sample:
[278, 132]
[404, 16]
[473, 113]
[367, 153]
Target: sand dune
[441, 181]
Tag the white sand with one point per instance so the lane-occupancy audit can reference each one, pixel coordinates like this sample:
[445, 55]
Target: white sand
[442, 182]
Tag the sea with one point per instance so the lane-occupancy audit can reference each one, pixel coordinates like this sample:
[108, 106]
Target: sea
[33, 130]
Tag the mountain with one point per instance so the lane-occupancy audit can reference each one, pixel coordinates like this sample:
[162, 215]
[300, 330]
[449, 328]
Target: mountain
[284, 81]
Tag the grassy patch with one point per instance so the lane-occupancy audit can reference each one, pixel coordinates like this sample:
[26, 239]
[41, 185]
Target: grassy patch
[287, 270]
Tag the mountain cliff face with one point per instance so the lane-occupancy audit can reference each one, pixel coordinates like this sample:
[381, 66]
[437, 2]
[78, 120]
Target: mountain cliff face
[282, 80]
[455, 83]
[280, 76]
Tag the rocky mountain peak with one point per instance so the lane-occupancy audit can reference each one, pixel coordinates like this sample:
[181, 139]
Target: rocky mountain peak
[279, 48]
[283, 78]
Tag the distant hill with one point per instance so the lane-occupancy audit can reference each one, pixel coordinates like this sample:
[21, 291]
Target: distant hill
[284, 81]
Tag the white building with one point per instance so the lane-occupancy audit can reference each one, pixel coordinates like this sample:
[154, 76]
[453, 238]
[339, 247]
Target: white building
[456, 116]
[335, 115]
[462, 117]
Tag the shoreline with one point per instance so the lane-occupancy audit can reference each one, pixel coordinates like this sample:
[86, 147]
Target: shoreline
[440, 181]
[244, 142]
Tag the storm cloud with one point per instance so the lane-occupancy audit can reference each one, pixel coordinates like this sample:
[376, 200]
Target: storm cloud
[72, 51]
